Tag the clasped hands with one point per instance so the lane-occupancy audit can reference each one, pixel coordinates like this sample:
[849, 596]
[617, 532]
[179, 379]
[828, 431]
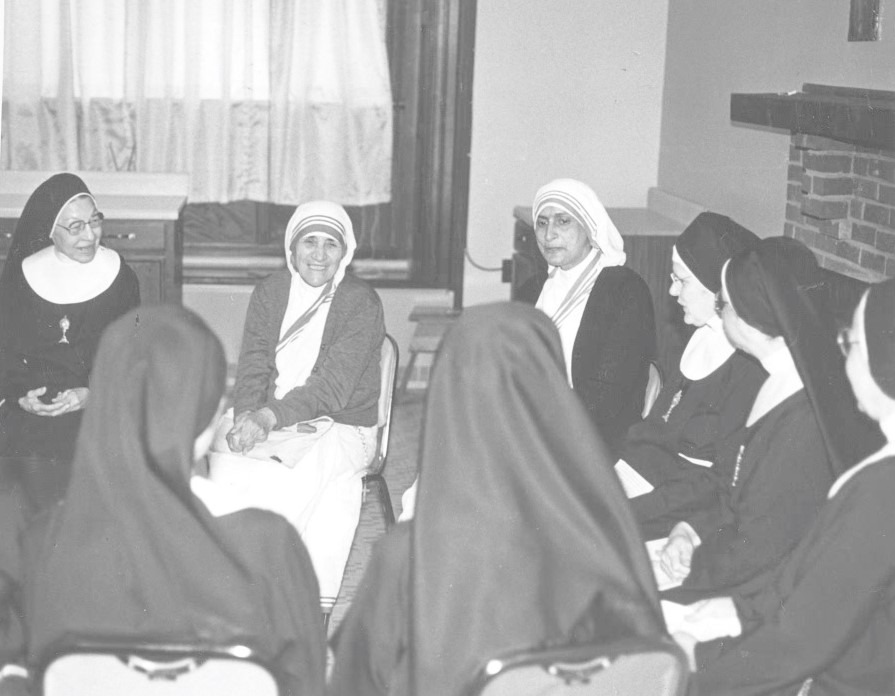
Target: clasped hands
[676, 556]
[702, 621]
[251, 427]
[64, 402]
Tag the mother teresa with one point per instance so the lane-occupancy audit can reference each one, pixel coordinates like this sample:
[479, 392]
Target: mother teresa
[602, 309]
[305, 405]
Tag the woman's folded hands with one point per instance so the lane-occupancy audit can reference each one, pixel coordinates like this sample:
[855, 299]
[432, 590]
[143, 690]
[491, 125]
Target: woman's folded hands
[250, 428]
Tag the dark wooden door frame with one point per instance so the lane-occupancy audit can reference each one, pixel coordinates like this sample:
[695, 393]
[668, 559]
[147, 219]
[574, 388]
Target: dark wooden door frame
[432, 73]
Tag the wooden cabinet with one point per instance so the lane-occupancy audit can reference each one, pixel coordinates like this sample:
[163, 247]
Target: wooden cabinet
[648, 237]
[143, 222]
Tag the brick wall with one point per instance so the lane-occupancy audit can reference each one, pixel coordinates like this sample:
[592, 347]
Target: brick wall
[840, 201]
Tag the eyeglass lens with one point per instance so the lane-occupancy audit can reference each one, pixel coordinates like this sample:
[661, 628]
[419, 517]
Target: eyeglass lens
[95, 221]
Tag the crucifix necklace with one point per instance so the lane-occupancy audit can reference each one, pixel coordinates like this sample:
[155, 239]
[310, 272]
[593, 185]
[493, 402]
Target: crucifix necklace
[65, 325]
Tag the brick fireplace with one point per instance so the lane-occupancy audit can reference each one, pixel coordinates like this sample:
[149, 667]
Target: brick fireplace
[840, 201]
[840, 192]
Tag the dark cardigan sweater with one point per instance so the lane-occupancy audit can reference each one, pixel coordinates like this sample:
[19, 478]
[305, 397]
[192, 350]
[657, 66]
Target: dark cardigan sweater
[613, 348]
[344, 382]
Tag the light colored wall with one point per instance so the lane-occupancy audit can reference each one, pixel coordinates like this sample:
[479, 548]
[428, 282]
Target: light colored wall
[224, 307]
[715, 48]
[563, 88]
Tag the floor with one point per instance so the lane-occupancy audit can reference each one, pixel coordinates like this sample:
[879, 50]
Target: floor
[400, 471]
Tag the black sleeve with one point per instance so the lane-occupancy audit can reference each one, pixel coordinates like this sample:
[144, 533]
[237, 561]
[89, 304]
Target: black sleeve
[773, 504]
[613, 374]
[820, 602]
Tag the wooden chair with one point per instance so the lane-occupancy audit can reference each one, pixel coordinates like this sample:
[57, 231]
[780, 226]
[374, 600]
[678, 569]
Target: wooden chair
[631, 667]
[114, 667]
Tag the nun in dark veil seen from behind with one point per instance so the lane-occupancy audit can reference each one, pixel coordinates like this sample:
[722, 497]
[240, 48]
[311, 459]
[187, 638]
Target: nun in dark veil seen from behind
[522, 535]
[132, 552]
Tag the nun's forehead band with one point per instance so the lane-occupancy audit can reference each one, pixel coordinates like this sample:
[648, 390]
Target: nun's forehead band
[321, 223]
[567, 203]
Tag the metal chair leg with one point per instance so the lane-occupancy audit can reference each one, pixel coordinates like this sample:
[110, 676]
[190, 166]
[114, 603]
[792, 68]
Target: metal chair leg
[385, 500]
[408, 371]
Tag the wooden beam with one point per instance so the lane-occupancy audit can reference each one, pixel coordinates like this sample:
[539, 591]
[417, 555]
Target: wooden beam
[859, 116]
[863, 20]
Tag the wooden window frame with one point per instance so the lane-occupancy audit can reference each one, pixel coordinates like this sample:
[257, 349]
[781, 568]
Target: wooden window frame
[431, 47]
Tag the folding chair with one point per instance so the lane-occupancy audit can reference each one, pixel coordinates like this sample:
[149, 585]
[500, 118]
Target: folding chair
[373, 478]
[115, 667]
[632, 667]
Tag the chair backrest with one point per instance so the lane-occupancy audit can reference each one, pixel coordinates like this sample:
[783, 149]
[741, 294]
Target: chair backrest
[634, 667]
[388, 366]
[113, 669]
[653, 387]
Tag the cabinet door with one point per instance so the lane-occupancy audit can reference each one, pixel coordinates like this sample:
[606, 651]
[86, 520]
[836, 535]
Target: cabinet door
[528, 261]
[149, 273]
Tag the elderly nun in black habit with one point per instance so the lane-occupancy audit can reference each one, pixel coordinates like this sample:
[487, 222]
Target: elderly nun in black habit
[59, 289]
[799, 434]
[705, 400]
[134, 550]
[824, 621]
[522, 535]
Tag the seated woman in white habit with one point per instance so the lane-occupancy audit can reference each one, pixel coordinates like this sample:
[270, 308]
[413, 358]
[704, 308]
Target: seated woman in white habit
[302, 429]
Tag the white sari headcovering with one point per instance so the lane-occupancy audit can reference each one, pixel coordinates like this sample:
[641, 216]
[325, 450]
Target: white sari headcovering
[565, 293]
[579, 200]
[301, 331]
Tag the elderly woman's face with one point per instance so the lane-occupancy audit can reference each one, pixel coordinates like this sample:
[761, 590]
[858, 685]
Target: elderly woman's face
[78, 245]
[316, 257]
[740, 334]
[697, 301]
[563, 241]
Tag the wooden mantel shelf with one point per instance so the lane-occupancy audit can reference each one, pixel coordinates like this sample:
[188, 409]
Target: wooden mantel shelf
[862, 117]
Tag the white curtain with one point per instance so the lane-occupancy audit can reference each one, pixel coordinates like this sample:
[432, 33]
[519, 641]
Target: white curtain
[270, 100]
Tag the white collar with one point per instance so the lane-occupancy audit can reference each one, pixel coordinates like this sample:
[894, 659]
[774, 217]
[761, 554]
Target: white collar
[887, 425]
[783, 381]
[60, 280]
[706, 351]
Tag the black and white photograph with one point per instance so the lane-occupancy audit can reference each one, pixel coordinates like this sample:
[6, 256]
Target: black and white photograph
[447, 347]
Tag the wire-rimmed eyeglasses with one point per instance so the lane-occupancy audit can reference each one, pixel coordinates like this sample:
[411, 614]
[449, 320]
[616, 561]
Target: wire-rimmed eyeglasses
[78, 226]
[677, 280]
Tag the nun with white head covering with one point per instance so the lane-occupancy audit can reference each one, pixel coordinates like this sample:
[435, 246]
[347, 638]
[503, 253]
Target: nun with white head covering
[705, 400]
[602, 309]
[302, 429]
